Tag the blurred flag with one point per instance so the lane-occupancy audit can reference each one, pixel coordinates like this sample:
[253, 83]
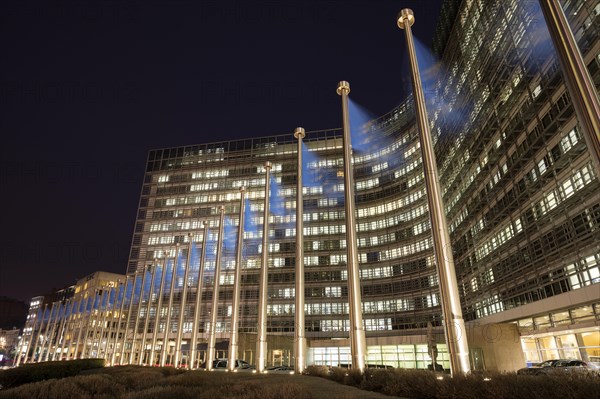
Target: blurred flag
[275, 200]
[248, 225]
[311, 172]
[229, 235]
[168, 276]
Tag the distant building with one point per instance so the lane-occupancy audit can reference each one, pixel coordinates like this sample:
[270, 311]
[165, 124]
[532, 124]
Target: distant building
[9, 339]
[66, 324]
[12, 313]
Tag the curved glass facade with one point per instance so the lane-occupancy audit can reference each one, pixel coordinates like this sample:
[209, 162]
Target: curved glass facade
[184, 186]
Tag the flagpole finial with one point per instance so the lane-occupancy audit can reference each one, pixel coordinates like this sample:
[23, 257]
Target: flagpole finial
[242, 188]
[405, 15]
[299, 133]
[268, 165]
[221, 208]
[205, 223]
[343, 88]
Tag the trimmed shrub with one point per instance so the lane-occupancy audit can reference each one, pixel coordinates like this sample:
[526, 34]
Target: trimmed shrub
[338, 374]
[132, 382]
[63, 389]
[354, 378]
[33, 372]
[317, 371]
[169, 371]
[426, 384]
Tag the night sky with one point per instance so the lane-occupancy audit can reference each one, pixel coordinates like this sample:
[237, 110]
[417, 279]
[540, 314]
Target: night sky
[88, 87]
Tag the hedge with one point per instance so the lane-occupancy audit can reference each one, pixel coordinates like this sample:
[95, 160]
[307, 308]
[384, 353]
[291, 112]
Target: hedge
[33, 372]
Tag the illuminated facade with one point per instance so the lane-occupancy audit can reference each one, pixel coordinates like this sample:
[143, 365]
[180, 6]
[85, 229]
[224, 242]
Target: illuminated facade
[521, 196]
[9, 340]
[521, 193]
[76, 322]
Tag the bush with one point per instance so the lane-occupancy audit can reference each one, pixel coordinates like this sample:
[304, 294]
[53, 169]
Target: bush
[354, 378]
[317, 371]
[135, 382]
[401, 382]
[33, 372]
[96, 386]
[425, 384]
[54, 388]
[338, 374]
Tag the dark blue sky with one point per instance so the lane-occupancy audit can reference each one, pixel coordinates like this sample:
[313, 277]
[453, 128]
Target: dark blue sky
[88, 87]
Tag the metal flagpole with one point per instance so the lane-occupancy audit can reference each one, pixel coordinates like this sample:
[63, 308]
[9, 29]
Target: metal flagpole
[299, 333]
[45, 336]
[454, 325]
[37, 338]
[77, 325]
[358, 343]
[97, 325]
[30, 342]
[88, 325]
[128, 318]
[152, 359]
[103, 326]
[62, 330]
[210, 356]
[19, 352]
[57, 330]
[50, 337]
[235, 306]
[137, 316]
[147, 321]
[577, 77]
[200, 284]
[52, 333]
[66, 328]
[165, 346]
[119, 319]
[261, 343]
[81, 326]
[183, 303]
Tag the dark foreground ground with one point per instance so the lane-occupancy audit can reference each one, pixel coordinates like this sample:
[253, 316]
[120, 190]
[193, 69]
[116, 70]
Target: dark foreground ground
[131, 382]
[88, 379]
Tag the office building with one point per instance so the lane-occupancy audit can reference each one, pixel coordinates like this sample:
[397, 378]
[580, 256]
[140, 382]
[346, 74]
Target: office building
[522, 200]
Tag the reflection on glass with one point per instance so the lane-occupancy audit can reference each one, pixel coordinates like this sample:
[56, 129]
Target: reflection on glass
[525, 325]
[591, 343]
[583, 313]
[568, 346]
[561, 318]
[548, 348]
[542, 322]
[530, 350]
[397, 356]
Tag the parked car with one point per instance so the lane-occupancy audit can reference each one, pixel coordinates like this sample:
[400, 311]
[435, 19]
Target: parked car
[551, 366]
[280, 368]
[379, 366]
[222, 364]
[544, 367]
[579, 366]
